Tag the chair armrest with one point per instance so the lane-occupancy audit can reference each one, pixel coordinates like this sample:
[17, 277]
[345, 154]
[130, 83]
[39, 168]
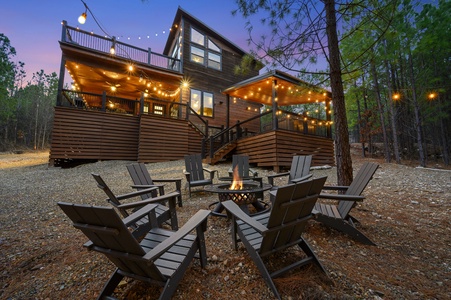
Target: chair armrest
[238, 213]
[253, 172]
[139, 214]
[195, 221]
[342, 197]
[297, 180]
[211, 172]
[167, 180]
[137, 193]
[271, 177]
[336, 187]
[170, 197]
[146, 186]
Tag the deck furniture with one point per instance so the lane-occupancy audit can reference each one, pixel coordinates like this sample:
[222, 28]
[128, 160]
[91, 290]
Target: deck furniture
[241, 163]
[194, 172]
[278, 229]
[163, 213]
[161, 258]
[141, 180]
[299, 171]
[338, 216]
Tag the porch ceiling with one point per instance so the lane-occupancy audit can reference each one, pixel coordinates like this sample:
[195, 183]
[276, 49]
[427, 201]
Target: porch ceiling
[96, 72]
[290, 90]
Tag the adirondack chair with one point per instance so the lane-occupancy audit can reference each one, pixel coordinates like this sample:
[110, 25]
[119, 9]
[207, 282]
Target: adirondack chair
[194, 172]
[281, 228]
[162, 257]
[163, 213]
[242, 163]
[299, 171]
[141, 179]
[338, 216]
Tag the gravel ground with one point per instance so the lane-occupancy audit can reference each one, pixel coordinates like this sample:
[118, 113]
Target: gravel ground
[406, 213]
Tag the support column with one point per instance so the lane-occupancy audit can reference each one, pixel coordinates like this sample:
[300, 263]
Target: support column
[275, 121]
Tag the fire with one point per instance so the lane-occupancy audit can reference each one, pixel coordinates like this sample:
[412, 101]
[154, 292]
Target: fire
[237, 183]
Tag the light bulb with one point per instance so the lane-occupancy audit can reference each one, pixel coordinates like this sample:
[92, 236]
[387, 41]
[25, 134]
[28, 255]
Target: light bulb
[82, 18]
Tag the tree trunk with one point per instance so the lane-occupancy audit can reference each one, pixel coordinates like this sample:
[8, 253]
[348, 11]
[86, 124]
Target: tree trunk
[342, 149]
[392, 115]
[381, 112]
[417, 121]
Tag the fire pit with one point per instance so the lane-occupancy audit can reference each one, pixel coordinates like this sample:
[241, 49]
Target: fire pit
[247, 195]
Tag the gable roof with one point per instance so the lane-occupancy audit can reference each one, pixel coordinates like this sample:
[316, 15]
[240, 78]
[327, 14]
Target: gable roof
[181, 13]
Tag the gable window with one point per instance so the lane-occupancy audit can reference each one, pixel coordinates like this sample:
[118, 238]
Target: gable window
[204, 51]
[202, 103]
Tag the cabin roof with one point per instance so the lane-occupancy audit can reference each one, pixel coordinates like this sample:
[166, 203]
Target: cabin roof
[290, 90]
[181, 13]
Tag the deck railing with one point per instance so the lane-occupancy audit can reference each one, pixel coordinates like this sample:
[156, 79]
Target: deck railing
[104, 44]
[285, 121]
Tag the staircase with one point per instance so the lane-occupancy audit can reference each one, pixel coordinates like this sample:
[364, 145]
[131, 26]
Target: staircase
[220, 153]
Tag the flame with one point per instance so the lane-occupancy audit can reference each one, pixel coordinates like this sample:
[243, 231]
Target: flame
[237, 183]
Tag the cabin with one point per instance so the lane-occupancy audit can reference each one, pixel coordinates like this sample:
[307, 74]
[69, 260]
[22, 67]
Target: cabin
[129, 103]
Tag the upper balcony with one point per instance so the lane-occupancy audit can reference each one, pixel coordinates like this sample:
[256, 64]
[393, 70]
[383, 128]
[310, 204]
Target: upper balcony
[111, 46]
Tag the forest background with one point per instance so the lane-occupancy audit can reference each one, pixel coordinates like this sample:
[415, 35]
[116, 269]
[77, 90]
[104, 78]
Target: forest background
[397, 94]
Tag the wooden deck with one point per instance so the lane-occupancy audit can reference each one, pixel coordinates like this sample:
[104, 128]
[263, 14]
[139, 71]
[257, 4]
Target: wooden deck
[276, 148]
[95, 135]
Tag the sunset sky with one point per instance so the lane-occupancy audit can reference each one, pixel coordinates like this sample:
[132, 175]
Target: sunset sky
[34, 27]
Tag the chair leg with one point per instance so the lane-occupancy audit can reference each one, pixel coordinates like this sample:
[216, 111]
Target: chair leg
[345, 227]
[309, 252]
[111, 285]
[261, 266]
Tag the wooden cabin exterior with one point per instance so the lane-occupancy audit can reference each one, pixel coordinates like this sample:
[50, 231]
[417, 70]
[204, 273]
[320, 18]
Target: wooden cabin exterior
[134, 104]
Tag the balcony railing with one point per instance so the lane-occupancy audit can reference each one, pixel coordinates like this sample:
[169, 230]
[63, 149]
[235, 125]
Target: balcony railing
[103, 44]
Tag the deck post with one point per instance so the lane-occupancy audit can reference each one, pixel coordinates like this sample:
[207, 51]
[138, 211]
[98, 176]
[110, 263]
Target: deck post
[149, 55]
[141, 104]
[104, 101]
[275, 121]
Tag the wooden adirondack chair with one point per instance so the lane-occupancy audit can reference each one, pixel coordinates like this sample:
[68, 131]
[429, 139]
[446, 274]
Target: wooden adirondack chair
[162, 257]
[141, 180]
[163, 213]
[299, 171]
[242, 163]
[194, 172]
[338, 216]
[281, 228]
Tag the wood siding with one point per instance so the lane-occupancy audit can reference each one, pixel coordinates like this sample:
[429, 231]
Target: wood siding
[82, 134]
[165, 139]
[276, 149]
[214, 81]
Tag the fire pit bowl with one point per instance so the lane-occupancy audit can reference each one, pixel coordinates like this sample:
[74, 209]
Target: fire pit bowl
[248, 195]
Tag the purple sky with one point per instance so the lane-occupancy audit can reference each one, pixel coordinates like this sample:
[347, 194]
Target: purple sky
[34, 27]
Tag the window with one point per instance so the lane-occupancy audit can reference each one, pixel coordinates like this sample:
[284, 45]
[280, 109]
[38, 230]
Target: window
[202, 103]
[197, 55]
[197, 37]
[204, 51]
[214, 61]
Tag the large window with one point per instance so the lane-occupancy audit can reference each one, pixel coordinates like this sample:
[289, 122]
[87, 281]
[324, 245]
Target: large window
[202, 103]
[204, 51]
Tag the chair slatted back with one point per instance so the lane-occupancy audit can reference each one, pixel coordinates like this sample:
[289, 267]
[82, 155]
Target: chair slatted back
[109, 235]
[242, 163]
[300, 166]
[140, 176]
[289, 214]
[193, 165]
[104, 187]
[357, 186]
